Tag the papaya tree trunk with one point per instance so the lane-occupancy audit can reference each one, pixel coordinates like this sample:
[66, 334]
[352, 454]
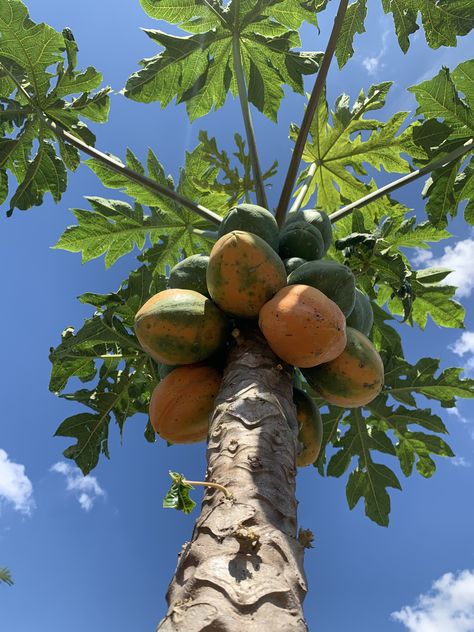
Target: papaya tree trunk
[243, 569]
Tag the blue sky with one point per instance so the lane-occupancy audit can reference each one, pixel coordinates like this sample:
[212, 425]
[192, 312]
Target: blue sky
[98, 553]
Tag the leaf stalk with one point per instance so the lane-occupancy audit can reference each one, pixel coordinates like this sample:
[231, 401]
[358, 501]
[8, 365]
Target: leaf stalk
[310, 111]
[221, 488]
[244, 105]
[396, 184]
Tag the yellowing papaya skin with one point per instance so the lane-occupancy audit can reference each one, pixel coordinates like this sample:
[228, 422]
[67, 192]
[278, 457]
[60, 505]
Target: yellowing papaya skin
[179, 326]
[303, 326]
[352, 379]
[310, 424]
[182, 402]
[244, 272]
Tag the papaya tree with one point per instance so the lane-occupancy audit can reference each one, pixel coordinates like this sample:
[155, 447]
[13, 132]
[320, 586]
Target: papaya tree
[243, 567]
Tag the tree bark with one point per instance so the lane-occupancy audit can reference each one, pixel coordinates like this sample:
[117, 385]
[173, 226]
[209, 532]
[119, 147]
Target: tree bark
[243, 569]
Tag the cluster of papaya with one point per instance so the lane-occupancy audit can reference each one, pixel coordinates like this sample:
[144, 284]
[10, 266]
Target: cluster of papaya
[308, 309]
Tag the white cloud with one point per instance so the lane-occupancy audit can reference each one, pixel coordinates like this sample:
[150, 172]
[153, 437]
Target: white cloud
[457, 258]
[374, 64]
[460, 461]
[455, 412]
[448, 607]
[371, 64]
[15, 486]
[464, 345]
[86, 488]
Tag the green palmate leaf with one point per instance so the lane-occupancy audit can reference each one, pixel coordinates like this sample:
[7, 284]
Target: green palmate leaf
[5, 576]
[412, 446]
[177, 496]
[429, 299]
[377, 262]
[439, 98]
[442, 20]
[404, 381]
[38, 81]
[339, 152]
[353, 23]
[198, 69]
[369, 480]
[115, 228]
[106, 351]
[234, 184]
[465, 191]
[331, 421]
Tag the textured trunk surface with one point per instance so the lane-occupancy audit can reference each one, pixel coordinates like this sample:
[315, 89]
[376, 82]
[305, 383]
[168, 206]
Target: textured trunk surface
[243, 569]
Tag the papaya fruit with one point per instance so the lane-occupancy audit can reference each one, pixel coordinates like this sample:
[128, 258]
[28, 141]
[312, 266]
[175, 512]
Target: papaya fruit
[310, 426]
[352, 379]
[292, 263]
[303, 326]
[362, 316]
[251, 218]
[190, 274]
[329, 277]
[244, 272]
[180, 327]
[182, 402]
[317, 219]
[300, 239]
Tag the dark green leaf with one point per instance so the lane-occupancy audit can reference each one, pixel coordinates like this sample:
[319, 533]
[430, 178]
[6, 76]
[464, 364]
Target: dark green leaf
[442, 20]
[177, 496]
[34, 84]
[199, 68]
[353, 23]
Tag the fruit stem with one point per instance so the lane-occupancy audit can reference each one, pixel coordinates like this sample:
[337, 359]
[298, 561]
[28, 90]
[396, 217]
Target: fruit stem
[396, 184]
[244, 105]
[208, 234]
[304, 189]
[310, 111]
[221, 488]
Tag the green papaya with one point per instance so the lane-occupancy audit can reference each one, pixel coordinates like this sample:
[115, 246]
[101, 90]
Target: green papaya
[300, 239]
[190, 274]
[317, 219]
[333, 279]
[251, 219]
[292, 263]
[310, 424]
[362, 316]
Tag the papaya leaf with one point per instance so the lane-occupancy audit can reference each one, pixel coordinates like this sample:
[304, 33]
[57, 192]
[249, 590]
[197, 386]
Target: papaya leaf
[105, 351]
[413, 446]
[442, 21]
[369, 480]
[235, 184]
[404, 381]
[38, 81]
[177, 496]
[339, 151]
[439, 98]
[6, 577]
[353, 23]
[115, 228]
[198, 69]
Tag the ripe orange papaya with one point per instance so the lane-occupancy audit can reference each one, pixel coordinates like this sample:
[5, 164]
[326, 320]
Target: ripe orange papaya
[182, 402]
[303, 326]
[179, 326]
[352, 379]
[310, 424]
[244, 272]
